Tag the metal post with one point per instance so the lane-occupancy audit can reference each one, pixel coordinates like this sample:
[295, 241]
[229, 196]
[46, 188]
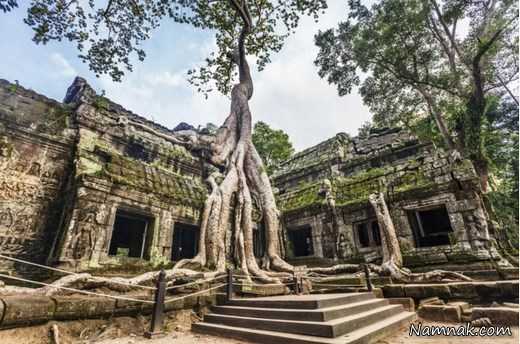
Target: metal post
[158, 308]
[367, 277]
[229, 286]
[296, 284]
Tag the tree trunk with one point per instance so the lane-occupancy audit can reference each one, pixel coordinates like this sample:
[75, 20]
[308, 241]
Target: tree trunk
[245, 179]
[392, 264]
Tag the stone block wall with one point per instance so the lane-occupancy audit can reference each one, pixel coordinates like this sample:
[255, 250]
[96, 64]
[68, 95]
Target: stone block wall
[36, 151]
[415, 176]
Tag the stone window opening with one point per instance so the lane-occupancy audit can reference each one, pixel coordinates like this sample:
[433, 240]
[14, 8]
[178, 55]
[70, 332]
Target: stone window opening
[431, 226]
[367, 233]
[185, 241]
[301, 241]
[130, 235]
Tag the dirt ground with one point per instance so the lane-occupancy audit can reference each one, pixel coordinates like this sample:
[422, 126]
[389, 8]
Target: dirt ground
[129, 330]
[402, 337]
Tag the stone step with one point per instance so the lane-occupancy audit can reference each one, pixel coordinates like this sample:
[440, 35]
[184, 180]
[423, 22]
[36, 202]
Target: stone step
[363, 335]
[330, 329]
[321, 314]
[301, 302]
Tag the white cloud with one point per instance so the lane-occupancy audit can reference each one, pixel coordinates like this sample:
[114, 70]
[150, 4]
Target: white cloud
[65, 68]
[288, 94]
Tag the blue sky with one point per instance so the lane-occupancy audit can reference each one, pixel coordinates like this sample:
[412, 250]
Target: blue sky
[289, 95]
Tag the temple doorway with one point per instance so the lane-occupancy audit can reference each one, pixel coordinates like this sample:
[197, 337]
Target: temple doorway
[301, 241]
[185, 241]
[129, 235]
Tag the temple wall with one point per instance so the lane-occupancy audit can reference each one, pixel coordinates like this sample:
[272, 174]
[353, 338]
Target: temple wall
[421, 185]
[120, 167]
[36, 145]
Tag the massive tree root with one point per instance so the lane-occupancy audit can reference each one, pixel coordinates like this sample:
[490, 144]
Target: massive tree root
[230, 203]
[245, 183]
[85, 281]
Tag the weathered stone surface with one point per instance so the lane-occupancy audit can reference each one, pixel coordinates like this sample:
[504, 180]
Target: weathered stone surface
[497, 315]
[27, 309]
[463, 290]
[127, 307]
[79, 307]
[407, 302]
[431, 312]
[508, 289]
[440, 313]
[116, 161]
[431, 301]
[487, 290]
[395, 290]
[464, 306]
[422, 291]
[262, 289]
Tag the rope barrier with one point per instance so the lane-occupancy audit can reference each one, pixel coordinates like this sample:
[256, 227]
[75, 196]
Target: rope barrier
[76, 290]
[338, 285]
[73, 273]
[195, 282]
[192, 294]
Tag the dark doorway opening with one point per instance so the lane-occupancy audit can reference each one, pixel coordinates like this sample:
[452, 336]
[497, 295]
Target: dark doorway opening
[431, 227]
[368, 233]
[129, 235]
[301, 240]
[185, 241]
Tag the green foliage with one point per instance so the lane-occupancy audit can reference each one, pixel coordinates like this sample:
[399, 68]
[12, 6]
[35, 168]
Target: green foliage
[272, 145]
[417, 68]
[101, 103]
[8, 5]
[109, 34]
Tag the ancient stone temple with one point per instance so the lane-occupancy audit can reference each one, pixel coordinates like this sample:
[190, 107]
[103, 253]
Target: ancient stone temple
[87, 184]
[434, 201]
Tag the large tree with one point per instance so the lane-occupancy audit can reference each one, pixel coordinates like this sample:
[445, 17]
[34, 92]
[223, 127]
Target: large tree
[444, 60]
[108, 36]
[273, 145]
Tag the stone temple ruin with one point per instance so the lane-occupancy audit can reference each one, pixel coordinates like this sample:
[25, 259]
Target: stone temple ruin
[86, 184]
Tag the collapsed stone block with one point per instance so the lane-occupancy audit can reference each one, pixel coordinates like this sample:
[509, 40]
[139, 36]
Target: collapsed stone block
[431, 301]
[395, 290]
[440, 313]
[497, 315]
[431, 312]
[463, 290]
[407, 302]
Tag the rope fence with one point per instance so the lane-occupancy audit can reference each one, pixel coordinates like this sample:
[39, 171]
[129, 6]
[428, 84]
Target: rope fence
[194, 283]
[196, 293]
[75, 290]
[74, 273]
[161, 288]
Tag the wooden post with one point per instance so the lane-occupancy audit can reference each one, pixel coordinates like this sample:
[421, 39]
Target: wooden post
[367, 277]
[158, 308]
[229, 286]
[296, 284]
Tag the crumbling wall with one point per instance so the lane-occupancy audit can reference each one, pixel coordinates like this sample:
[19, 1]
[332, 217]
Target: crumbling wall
[415, 176]
[36, 140]
[118, 165]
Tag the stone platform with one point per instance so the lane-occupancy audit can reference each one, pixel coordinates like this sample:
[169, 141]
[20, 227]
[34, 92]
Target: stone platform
[325, 318]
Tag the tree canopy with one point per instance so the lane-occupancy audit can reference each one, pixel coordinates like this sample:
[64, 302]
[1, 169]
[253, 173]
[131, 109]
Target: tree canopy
[424, 62]
[273, 145]
[109, 34]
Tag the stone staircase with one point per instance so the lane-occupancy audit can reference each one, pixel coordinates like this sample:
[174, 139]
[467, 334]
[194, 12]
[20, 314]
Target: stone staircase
[305, 319]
